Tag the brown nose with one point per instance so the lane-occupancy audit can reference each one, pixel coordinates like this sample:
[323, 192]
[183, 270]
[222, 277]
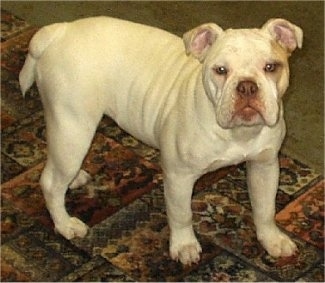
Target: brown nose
[247, 88]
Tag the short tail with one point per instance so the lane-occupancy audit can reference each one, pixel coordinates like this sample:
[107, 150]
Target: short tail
[27, 74]
[40, 41]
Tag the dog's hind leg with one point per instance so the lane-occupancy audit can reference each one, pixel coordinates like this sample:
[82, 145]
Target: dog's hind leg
[68, 142]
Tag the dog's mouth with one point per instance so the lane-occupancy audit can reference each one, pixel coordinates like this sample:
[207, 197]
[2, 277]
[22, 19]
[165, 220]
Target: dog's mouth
[248, 113]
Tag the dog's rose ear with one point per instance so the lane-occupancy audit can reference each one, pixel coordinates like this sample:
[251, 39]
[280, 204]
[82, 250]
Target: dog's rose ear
[285, 33]
[198, 40]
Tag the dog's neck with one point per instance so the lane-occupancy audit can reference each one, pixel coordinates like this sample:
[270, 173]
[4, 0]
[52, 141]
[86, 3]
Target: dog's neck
[245, 134]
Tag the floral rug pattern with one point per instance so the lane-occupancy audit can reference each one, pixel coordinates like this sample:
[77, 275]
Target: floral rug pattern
[124, 207]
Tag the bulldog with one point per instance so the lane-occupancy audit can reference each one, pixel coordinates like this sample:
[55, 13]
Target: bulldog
[210, 100]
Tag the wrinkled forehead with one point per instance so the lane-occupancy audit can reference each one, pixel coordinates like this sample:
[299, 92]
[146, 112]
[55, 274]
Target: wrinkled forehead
[246, 44]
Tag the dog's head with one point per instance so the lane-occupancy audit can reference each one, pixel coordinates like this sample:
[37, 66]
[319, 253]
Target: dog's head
[245, 71]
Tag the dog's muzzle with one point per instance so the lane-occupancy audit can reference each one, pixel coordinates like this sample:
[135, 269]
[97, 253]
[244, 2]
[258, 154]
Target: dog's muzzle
[247, 105]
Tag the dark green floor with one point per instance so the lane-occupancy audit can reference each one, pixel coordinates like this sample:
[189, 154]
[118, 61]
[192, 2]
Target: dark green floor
[304, 101]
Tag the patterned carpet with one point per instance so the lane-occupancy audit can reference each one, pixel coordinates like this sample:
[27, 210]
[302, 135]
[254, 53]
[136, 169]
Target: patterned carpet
[124, 205]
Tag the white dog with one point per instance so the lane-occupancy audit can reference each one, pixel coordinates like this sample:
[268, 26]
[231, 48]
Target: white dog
[220, 106]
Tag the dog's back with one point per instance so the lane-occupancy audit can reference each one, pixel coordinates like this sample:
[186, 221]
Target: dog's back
[112, 65]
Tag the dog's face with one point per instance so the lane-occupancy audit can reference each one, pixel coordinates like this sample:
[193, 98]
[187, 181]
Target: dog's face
[245, 76]
[245, 71]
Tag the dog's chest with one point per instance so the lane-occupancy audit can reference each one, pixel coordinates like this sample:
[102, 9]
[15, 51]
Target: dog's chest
[231, 157]
[232, 153]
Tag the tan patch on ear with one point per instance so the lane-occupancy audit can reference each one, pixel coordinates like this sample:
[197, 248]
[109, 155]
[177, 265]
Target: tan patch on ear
[279, 50]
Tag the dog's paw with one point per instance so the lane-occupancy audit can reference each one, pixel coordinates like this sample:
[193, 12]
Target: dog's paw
[278, 244]
[184, 247]
[186, 254]
[71, 228]
[82, 178]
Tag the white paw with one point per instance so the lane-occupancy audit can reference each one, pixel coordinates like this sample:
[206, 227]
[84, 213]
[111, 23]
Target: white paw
[82, 178]
[186, 254]
[278, 244]
[185, 248]
[72, 228]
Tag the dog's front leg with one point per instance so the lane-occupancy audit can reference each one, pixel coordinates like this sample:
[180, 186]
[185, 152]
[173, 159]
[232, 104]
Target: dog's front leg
[263, 178]
[178, 195]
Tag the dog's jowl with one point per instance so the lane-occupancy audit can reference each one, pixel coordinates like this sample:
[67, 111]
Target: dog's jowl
[223, 86]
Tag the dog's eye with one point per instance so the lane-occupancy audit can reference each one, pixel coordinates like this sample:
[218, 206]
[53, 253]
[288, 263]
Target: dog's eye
[270, 68]
[221, 70]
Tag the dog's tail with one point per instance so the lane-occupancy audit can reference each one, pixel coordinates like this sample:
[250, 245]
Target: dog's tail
[26, 75]
[39, 43]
